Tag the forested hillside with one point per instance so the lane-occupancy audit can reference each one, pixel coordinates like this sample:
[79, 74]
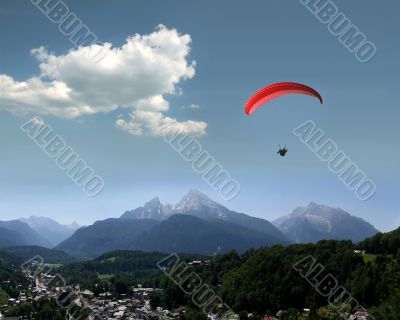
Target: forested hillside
[264, 281]
[383, 243]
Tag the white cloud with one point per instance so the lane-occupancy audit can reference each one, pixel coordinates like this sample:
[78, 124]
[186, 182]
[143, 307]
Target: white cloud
[37, 122]
[156, 124]
[136, 75]
[192, 106]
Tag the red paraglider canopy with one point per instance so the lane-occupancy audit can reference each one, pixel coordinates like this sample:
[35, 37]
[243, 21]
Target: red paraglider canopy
[276, 90]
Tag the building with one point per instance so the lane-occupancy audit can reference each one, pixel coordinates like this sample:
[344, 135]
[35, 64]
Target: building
[359, 315]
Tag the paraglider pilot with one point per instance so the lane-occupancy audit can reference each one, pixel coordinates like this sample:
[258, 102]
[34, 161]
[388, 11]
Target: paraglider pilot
[282, 151]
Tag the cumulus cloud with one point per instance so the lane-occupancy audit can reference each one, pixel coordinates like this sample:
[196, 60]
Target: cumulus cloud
[138, 76]
[159, 125]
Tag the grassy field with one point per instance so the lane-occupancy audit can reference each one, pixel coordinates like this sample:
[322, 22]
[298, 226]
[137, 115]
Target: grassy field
[104, 277]
[53, 265]
[109, 260]
[3, 298]
[369, 257]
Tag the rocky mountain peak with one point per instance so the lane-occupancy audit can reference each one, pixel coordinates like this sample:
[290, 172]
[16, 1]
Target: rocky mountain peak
[314, 209]
[152, 209]
[153, 204]
[194, 200]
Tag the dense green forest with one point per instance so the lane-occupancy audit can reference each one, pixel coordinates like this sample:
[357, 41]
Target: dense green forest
[264, 281]
[10, 277]
[383, 243]
[260, 282]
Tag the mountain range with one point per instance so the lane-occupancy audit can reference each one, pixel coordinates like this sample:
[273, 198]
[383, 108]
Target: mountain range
[196, 224]
[50, 229]
[15, 233]
[37, 231]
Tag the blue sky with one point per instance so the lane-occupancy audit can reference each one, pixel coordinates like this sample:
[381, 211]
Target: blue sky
[238, 48]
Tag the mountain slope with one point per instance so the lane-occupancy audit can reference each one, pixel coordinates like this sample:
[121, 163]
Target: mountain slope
[189, 234]
[144, 264]
[29, 236]
[53, 231]
[104, 236]
[10, 238]
[49, 255]
[301, 230]
[317, 222]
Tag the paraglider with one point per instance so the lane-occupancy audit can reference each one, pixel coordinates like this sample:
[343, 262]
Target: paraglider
[282, 151]
[276, 90]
